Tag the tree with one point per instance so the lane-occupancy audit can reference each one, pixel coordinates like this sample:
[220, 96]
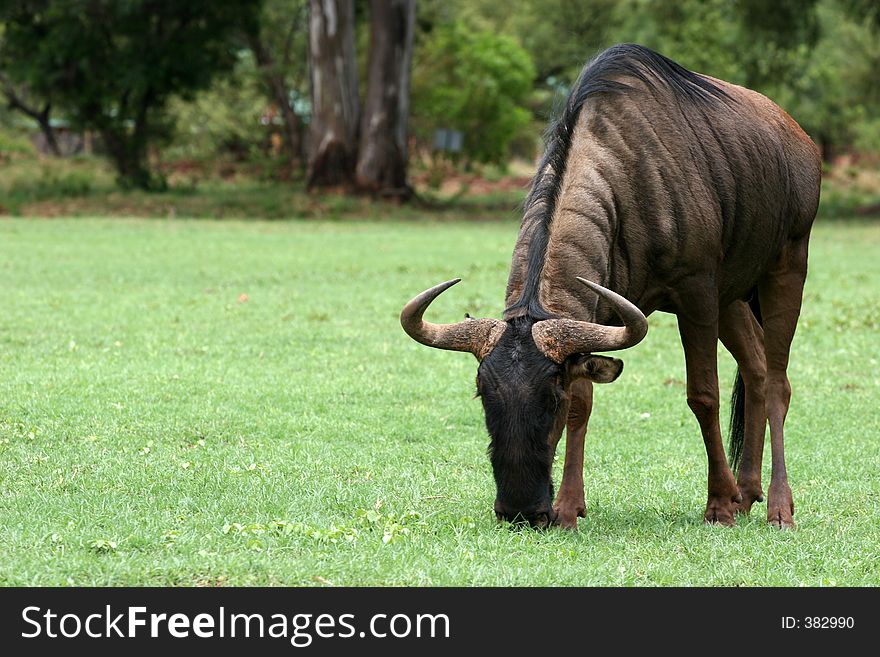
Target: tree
[334, 91]
[382, 155]
[835, 97]
[112, 66]
[279, 48]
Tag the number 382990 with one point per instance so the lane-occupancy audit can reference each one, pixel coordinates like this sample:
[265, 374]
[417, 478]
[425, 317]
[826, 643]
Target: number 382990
[818, 622]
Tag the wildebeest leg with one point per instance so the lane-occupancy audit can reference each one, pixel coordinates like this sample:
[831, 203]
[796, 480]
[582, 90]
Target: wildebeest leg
[743, 337]
[570, 503]
[780, 292]
[698, 327]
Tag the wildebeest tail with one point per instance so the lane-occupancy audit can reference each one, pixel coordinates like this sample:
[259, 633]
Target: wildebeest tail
[738, 403]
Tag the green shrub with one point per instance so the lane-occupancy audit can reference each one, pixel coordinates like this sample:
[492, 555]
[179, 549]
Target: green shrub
[475, 82]
[15, 142]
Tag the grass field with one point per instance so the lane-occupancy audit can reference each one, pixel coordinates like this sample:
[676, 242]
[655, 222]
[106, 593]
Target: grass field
[228, 403]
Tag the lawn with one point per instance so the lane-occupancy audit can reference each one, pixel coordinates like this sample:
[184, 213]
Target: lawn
[230, 403]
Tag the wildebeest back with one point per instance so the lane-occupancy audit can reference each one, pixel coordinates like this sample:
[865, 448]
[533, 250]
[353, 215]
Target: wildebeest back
[652, 174]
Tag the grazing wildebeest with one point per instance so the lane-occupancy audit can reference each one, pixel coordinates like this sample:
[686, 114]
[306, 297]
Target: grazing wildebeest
[681, 193]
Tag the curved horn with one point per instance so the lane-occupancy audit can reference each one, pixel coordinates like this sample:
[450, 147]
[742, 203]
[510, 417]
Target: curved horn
[560, 338]
[477, 336]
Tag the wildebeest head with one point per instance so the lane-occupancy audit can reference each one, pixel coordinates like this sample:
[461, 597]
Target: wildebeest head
[525, 373]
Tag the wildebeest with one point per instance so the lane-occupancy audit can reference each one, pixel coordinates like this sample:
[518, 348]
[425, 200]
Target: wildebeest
[660, 189]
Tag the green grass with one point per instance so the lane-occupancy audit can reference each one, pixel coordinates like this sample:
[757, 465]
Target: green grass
[158, 428]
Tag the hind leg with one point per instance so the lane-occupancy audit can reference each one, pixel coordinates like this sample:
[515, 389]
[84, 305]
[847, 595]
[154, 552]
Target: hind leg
[780, 292]
[743, 337]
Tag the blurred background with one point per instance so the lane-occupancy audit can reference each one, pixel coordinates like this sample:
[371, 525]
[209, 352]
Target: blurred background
[300, 108]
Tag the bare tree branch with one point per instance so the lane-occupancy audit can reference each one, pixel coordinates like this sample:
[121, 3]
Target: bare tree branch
[16, 102]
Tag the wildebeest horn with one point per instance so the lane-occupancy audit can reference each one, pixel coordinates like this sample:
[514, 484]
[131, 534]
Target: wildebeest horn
[560, 338]
[478, 336]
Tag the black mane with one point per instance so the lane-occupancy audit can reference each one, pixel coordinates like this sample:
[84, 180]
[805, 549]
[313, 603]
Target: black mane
[627, 59]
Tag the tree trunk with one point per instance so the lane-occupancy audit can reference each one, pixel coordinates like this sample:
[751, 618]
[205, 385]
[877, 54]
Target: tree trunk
[333, 72]
[293, 136]
[128, 150]
[42, 120]
[274, 80]
[382, 156]
[130, 160]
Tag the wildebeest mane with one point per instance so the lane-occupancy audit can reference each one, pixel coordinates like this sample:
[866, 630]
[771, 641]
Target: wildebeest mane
[597, 77]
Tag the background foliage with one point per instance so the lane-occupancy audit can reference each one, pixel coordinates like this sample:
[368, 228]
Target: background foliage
[495, 75]
[474, 81]
[113, 66]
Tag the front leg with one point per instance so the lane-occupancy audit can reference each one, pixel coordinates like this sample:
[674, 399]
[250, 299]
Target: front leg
[699, 337]
[570, 503]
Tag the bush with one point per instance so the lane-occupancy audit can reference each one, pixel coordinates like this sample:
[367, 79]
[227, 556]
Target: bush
[475, 82]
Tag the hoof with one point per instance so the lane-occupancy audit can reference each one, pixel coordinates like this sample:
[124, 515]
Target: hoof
[750, 494]
[568, 514]
[782, 521]
[780, 507]
[721, 510]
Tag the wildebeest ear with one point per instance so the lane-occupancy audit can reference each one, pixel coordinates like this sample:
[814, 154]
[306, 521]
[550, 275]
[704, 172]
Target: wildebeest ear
[599, 369]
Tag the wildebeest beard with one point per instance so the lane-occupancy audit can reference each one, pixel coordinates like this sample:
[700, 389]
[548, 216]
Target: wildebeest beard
[521, 390]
